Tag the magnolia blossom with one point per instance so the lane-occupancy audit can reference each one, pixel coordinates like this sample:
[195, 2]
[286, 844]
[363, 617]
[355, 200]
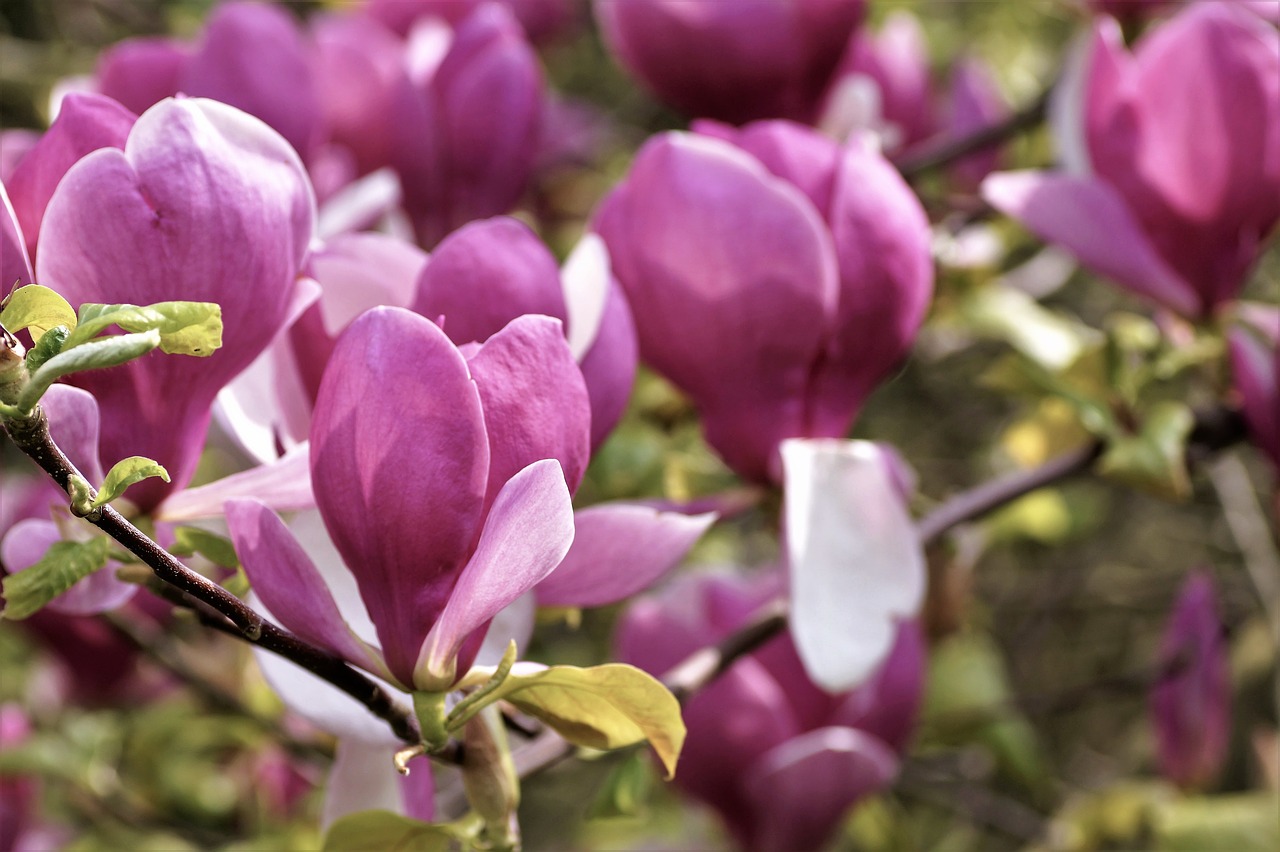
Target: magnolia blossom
[1172, 158]
[778, 758]
[731, 61]
[1191, 700]
[541, 19]
[774, 276]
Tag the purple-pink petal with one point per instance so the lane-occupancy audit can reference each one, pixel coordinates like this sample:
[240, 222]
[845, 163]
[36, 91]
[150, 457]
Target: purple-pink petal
[620, 549]
[527, 532]
[1092, 221]
[141, 72]
[15, 265]
[399, 463]
[535, 402]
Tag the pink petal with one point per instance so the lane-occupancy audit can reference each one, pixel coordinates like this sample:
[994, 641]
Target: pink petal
[527, 533]
[1090, 220]
[399, 462]
[801, 789]
[288, 583]
[205, 203]
[141, 72]
[486, 274]
[535, 402]
[619, 550]
[74, 426]
[362, 271]
[282, 486]
[85, 123]
[15, 266]
[1255, 364]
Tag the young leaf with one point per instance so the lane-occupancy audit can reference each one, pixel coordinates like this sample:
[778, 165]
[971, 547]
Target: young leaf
[125, 473]
[51, 343]
[375, 831]
[62, 566]
[186, 328]
[1155, 458]
[94, 355]
[38, 309]
[603, 707]
[217, 549]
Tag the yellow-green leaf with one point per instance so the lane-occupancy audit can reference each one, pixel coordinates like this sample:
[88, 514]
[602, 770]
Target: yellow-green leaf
[125, 473]
[63, 565]
[1155, 458]
[94, 355]
[603, 707]
[186, 328]
[38, 309]
[383, 831]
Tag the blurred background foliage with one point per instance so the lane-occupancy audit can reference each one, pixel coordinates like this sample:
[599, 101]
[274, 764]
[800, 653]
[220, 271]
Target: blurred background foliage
[1045, 619]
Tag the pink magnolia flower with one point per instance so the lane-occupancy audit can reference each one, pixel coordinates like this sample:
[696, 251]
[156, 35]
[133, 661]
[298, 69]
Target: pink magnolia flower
[779, 759]
[1255, 362]
[199, 202]
[774, 276]
[444, 482]
[466, 120]
[1191, 700]
[735, 62]
[1172, 157]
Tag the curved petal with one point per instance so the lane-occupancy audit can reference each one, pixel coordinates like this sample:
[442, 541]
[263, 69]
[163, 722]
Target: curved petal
[856, 564]
[619, 550]
[1091, 220]
[800, 790]
[141, 72]
[527, 533]
[205, 203]
[15, 265]
[283, 486]
[288, 583]
[74, 425]
[486, 274]
[1255, 365]
[399, 463]
[357, 272]
[535, 402]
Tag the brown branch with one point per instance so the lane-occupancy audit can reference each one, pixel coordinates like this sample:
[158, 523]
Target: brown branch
[943, 152]
[31, 434]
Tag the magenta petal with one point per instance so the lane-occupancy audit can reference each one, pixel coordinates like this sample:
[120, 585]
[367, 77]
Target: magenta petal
[15, 265]
[801, 789]
[1090, 220]
[25, 545]
[1255, 364]
[85, 123]
[484, 275]
[205, 203]
[399, 462]
[73, 424]
[534, 399]
[141, 72]
[527, 533]
[288, 583]
[619, 550]
[359, 271]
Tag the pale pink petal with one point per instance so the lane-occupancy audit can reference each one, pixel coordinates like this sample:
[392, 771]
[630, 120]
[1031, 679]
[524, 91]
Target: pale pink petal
[619, 550]
[283, 486]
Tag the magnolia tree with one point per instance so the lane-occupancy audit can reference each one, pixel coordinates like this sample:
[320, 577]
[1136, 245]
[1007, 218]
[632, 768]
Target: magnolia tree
[431, 424]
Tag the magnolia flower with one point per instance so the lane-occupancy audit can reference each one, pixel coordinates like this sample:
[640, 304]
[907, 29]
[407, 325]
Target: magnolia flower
[779, 759]
[200, 202]
[541, 19]
[1172, 177]
[1191, 700]
[774, 276]
[731, 61]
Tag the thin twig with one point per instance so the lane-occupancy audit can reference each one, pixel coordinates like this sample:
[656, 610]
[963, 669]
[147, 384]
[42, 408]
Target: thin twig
[31, 434]
[945, 151]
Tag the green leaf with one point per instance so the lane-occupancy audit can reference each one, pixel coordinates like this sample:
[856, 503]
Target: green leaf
[38, 309]
[217, 549]
[108, 352]
[51, 343]
[1155, 458]
[383, 831]
[186, 328]
[62, 566]
[1238, 823]
[603, 707]
[125, 473]
[1052, 340]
